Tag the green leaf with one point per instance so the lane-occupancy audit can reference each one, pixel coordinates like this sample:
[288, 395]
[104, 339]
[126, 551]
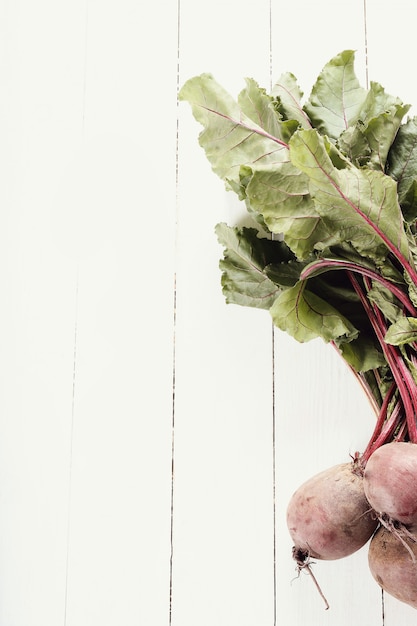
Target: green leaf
[354, 143]
[402, 166]
[285, 274]
[336, 98]
[288, 96]
[245, 257]
[408, 202]
[281, 195]
[404, 331]
[369, 141]
[381, 132]
[385, 301]
[306, 316]
[359, 206]
[259, 107]
[230, 138]
[362, 354]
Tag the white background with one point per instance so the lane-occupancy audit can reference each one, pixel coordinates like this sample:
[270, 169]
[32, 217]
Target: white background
[150, 435]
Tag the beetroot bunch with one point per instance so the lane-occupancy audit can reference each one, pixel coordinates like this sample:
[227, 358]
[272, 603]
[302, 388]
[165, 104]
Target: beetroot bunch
[329, 185]
[336, 512]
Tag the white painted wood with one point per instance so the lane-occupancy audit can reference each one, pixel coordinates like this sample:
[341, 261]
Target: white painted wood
[88, 218]
[108, 381]
[223, 524]
[41, 73]
[119, 533]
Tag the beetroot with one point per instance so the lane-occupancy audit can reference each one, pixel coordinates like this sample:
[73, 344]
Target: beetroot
[328, 517]
[392, 563]
[390, 479]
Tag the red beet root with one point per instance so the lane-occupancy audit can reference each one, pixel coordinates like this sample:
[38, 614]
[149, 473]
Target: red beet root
[328, 517]
[390, 480]
[393, 564]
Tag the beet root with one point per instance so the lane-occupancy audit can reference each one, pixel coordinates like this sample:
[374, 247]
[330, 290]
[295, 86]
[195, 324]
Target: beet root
[393, 564]
[389, 481]
[328, 517]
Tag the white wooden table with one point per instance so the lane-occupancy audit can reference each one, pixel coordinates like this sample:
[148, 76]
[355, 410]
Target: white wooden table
[150, 435]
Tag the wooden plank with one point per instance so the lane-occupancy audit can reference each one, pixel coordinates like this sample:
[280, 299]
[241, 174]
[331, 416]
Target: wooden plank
[391, 51]
[126, 201]
[223, 526]
[41, 114]
[321, 414]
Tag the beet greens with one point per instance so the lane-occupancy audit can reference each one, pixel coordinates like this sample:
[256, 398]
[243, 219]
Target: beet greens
[331, 186]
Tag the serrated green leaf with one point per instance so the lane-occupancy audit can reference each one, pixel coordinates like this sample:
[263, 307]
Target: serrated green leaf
[245, 257]
[402, 166]
[281, 196]
[382, 115]
[362, 354]
[386, 302]
[380, 133]
[378, 101]
[230, 138]
[370, 139]
[359, 206]
[404, 331]
[354, 143]
[288, 96]
[306, 316]
[336, 98]
[259, 107]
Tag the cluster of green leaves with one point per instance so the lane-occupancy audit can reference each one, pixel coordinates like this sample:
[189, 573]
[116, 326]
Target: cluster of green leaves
[331, 184]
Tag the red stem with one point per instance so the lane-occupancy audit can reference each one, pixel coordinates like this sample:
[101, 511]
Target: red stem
[382, 414]
[402, 432]
[385, 428]
[401, 374]
[405, 374]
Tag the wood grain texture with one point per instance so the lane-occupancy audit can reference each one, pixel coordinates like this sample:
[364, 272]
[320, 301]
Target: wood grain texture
[151, 435]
